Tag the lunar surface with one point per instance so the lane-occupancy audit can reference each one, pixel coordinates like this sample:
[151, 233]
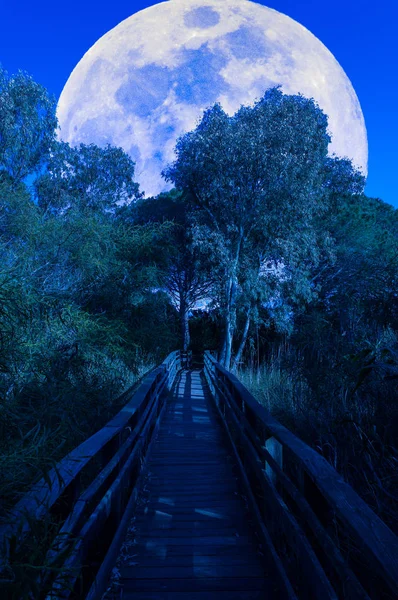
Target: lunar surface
[148, 80]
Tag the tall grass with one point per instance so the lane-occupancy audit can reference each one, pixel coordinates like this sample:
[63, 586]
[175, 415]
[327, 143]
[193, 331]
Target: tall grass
[354, 429]
[42, 423]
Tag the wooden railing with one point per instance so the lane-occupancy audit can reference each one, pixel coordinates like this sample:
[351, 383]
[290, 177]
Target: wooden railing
[91, 493]
[318, 533]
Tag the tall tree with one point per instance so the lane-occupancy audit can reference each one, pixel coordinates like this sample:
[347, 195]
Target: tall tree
[183, 272]
[257, 174]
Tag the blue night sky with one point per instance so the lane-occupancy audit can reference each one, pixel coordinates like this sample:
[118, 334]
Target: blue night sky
[48, 39]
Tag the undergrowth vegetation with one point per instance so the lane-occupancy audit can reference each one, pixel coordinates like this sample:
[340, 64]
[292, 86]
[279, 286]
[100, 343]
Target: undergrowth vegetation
[345, 408]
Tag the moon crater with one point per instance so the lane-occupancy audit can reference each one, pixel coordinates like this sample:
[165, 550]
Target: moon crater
[202, 18]
[145, 89]
[248, 42]
[197, 79]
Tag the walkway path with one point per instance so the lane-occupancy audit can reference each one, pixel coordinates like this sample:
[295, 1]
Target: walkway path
[191, 537]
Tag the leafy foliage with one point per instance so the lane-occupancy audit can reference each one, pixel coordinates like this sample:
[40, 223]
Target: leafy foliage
[256, 179]
[92, 177]
[27, 125]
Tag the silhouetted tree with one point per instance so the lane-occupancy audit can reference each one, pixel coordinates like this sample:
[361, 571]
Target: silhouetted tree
[183, 272]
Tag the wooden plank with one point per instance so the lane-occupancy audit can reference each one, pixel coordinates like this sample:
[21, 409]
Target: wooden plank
[196, 541]
[193, 471]
[164, 500]
[247, 558]
[195, 595]
[232, 584]
[205, 453]
[199, 459]
[189, 491]
[196, 451]
[190, 458]
[189, 523]
[200, 475]
[184, 498]
[160, 550]
[190, 533]
[191, 475]
[174, 525]
[192, 463]
[201, 494]
[193, 479]
[198, 445]
[213, 516]
[231, 507]
[194, 572]
[184, 488]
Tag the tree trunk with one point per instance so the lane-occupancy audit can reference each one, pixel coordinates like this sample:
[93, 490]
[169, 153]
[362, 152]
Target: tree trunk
[229, 334]
[184, 319]
[242, 341]
[221, 354]
[230, 323]
[230, 309]
[224, 344]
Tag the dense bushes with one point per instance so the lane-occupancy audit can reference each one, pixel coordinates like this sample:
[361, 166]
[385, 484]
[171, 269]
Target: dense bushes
[79, 318]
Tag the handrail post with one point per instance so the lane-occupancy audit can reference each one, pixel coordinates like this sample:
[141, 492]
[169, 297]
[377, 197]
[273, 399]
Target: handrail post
[275, 449]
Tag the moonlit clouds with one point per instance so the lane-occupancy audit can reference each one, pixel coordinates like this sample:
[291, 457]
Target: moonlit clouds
[148, 80]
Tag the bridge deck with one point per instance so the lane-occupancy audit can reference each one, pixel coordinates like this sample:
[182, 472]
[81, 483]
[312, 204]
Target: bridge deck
[191, 536]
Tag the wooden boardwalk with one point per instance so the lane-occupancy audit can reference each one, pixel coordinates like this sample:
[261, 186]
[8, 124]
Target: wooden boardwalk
[159, 497]
[191, 536]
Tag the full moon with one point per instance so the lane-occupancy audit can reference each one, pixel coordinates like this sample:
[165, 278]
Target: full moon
[148, 80]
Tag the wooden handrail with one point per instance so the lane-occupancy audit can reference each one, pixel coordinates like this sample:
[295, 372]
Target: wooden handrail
[118, 448]
[343, 530]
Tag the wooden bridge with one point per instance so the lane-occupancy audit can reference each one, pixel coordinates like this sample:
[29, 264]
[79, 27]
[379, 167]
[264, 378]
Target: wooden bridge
[193, 491]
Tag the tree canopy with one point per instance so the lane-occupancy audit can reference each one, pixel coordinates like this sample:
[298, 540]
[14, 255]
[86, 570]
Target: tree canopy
[97, 178]
[256, 179]
[27, 125]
